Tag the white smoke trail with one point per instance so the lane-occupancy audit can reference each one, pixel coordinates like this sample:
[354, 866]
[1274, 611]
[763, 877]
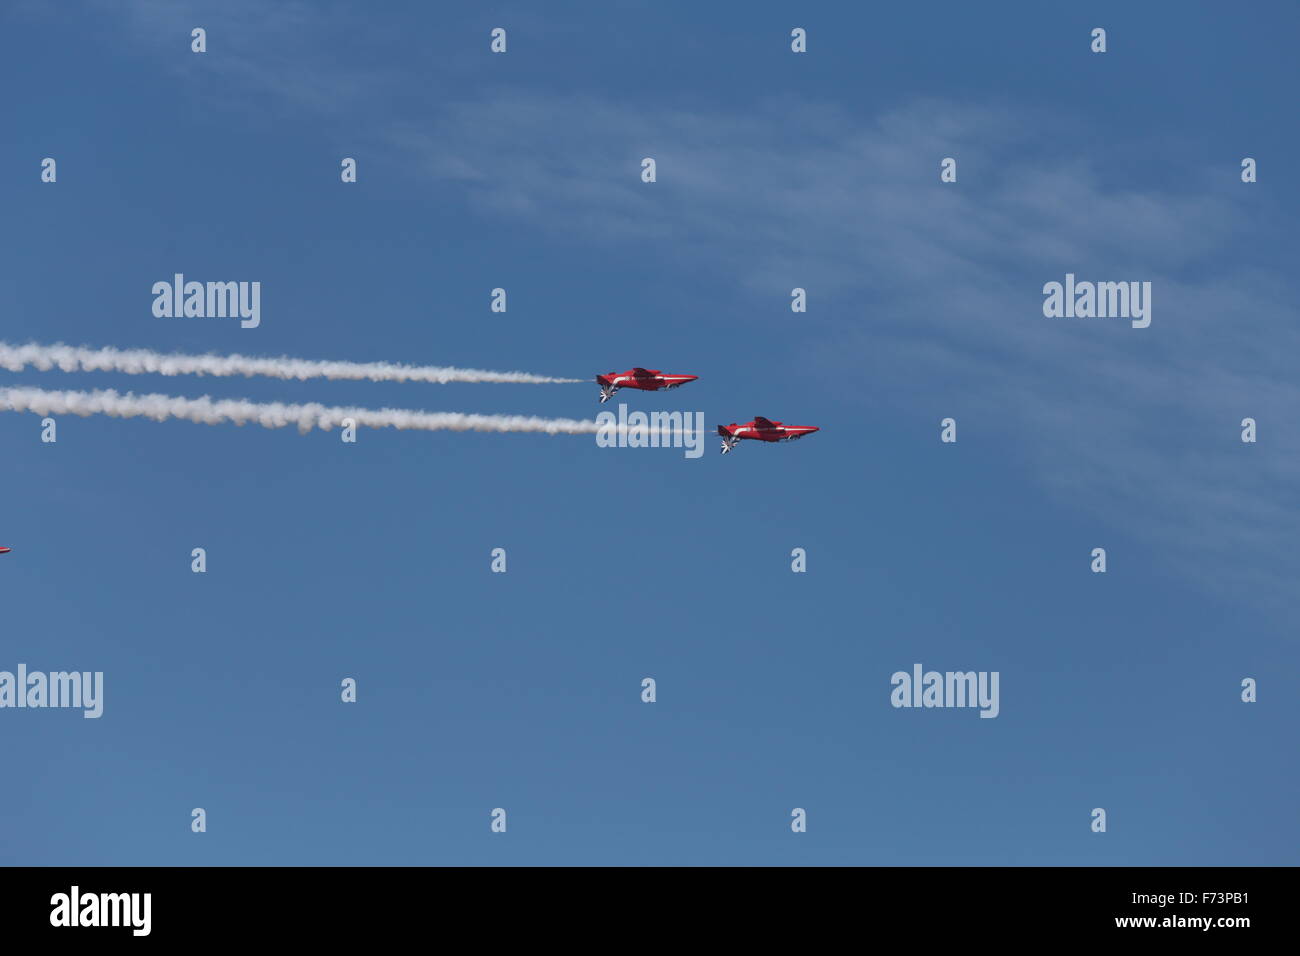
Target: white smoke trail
[208, 411]
[68, 358]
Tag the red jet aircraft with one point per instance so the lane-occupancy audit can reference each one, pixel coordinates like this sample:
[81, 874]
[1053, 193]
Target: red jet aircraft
[762, 430]
[648, 380]
[5, 550]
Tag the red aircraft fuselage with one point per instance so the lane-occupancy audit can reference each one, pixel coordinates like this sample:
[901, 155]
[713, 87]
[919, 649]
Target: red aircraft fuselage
[5, 550]
[647, 380]
[760, 429]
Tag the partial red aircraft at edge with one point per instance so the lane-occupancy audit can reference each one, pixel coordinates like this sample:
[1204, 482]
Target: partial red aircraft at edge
[647, 380]
[760, 429]
[4, 550]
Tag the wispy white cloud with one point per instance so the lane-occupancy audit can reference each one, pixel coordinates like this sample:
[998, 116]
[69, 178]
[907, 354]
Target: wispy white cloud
[936, 294]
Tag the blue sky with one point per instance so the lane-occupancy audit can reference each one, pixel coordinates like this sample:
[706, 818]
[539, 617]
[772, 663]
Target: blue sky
[775, 170]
